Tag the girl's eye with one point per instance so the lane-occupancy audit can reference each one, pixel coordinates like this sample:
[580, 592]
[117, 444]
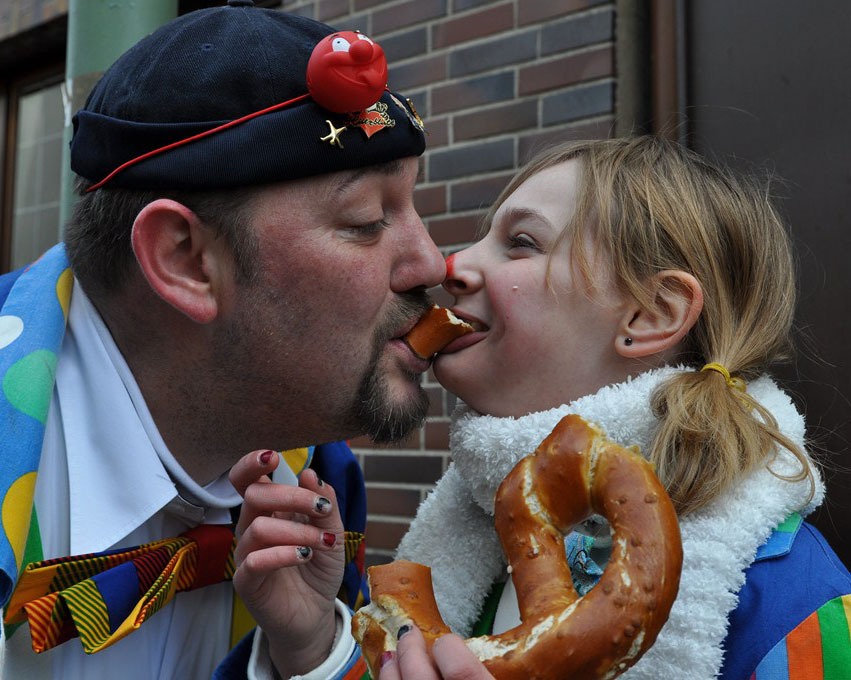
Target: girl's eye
[521, 241]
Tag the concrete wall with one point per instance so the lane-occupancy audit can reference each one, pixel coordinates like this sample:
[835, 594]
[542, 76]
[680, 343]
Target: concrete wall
[17, 16]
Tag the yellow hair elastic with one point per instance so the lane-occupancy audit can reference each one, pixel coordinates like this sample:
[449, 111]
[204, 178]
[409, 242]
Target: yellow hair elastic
[735, 383]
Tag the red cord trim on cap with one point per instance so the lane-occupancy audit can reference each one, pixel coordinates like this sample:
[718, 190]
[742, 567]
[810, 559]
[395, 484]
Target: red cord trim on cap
[200, 135]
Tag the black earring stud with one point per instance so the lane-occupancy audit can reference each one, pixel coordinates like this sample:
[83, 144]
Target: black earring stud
[627, 341]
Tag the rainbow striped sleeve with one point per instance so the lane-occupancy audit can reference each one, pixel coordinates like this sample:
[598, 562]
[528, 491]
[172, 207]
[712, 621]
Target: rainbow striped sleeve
[819, 648]
[356, 669]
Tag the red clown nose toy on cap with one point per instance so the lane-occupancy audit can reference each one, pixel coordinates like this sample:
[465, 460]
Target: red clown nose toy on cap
[347, 72]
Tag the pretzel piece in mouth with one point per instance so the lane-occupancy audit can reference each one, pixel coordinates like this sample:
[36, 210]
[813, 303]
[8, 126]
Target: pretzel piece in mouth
[434, 331]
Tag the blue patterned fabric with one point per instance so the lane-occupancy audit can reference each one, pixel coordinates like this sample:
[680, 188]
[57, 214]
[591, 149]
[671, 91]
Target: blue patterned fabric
[32, 325]
[336, 464]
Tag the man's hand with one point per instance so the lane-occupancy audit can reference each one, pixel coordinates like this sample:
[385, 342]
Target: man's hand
[289, 559]
[450, 660]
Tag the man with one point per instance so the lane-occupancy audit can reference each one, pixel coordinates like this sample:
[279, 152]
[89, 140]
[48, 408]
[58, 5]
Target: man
[244, 263]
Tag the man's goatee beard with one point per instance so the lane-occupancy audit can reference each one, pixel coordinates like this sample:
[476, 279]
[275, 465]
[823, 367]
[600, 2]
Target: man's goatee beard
[379, 419]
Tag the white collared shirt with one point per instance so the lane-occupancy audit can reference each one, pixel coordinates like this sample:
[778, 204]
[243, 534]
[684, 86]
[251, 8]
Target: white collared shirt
[107, 480]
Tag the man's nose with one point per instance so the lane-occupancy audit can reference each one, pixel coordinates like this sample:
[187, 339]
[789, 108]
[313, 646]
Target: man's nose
[422, 266]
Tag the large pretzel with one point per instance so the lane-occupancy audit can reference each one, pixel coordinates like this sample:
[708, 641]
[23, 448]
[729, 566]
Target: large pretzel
[575, 472]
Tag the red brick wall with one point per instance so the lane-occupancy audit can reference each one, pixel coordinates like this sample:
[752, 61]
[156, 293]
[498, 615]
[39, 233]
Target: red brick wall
[494, 80]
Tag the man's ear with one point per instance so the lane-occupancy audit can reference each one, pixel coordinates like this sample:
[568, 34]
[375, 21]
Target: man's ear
[181, 258]
[677, 303]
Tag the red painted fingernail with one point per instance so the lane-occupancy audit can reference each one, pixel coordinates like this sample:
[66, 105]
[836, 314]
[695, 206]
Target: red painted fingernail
[265, 457]
[384, 658]
[329, 539]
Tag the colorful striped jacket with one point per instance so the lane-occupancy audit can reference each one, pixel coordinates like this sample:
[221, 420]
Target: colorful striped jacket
[794, 613]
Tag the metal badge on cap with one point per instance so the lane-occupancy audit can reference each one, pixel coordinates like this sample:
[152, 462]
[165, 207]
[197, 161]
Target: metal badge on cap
[410, 112]
[372, 119]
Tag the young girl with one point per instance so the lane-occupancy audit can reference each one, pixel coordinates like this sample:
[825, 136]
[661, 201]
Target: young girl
[634, 283]
[647, 290]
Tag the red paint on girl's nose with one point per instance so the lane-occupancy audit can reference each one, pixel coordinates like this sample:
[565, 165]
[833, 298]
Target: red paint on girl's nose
[449, 265]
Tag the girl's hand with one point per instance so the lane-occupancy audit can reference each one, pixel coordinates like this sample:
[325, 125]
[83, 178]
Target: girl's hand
[450, 660]
[289, 560]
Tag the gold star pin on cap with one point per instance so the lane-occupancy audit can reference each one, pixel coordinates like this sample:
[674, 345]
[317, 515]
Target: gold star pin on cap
[333, 137]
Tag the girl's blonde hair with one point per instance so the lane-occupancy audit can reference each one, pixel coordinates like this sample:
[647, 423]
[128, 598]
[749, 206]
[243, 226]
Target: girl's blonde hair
[652, 205]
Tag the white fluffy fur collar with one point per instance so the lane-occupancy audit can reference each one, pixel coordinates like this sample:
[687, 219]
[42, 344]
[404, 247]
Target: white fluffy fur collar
[453, 531]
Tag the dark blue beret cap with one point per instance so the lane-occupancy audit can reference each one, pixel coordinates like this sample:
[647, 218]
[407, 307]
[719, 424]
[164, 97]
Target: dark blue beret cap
[205, 69]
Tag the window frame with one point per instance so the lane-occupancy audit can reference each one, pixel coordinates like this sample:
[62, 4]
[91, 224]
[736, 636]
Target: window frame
[37, 79]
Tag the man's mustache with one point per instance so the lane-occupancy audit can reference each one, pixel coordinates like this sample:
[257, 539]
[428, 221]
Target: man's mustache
[409, 305]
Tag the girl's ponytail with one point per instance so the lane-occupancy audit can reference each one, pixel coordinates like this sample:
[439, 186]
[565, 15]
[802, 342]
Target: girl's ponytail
[711, 434]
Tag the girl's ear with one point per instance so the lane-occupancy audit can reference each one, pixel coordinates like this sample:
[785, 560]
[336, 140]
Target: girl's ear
[677, 303]
[181, 258]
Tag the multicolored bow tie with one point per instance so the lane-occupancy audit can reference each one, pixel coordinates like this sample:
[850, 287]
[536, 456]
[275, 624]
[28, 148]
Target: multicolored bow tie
[104, 597]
